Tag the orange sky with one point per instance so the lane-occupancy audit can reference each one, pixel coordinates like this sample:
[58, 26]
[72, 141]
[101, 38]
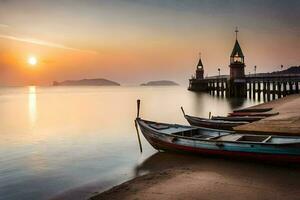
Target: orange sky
[136, 41]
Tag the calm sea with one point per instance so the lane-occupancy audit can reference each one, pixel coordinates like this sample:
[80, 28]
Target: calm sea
[53, 139]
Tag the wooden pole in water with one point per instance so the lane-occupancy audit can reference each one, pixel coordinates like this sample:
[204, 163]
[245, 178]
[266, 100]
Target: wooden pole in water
[138, 102]
[182, 111]
[136, 126]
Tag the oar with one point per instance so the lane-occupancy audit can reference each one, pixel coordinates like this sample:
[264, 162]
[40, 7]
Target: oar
[136, 126]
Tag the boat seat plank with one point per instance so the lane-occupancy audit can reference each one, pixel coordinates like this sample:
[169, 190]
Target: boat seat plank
[267, 139]
[159, 126]
[231, 137]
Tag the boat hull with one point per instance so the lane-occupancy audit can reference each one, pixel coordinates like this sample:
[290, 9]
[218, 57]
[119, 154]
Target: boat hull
[257, 152]
[253, 110]
[257, 114]
[214, 124]
[239, 119]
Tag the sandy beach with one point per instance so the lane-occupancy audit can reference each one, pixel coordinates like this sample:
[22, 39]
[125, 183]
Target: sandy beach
[180, 176]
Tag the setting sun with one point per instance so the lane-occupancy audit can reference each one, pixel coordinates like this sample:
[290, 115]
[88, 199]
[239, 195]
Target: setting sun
[32, 60]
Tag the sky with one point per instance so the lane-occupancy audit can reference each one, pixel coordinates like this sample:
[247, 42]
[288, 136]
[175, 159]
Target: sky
[135, 41]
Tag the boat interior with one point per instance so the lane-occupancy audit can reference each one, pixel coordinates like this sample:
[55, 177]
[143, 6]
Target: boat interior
[215, 121]
[234, 137]
[202, 133]
[218, 135]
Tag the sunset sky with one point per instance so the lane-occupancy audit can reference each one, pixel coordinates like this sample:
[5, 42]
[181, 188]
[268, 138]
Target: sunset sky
[133, 41]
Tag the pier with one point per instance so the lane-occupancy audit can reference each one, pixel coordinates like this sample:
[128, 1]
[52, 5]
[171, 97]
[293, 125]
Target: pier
[287, 122]
[267, 86]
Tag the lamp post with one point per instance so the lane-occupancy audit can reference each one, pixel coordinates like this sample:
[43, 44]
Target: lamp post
[281, 67]
[255, 69]
[219, 71]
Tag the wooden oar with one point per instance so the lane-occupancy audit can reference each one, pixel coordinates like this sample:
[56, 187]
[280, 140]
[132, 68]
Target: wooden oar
[136, 126]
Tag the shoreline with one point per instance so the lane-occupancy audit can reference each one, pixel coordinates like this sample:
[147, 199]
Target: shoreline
[181, 176]
[167, 175]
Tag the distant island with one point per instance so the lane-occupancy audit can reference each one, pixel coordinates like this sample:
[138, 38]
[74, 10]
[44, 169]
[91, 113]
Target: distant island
[160, 83]
[86, 82]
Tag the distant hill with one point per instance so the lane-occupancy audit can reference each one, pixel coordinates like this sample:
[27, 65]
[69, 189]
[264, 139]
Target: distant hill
[290, 70]
[160, 83]
[86, 82]
[294, 70]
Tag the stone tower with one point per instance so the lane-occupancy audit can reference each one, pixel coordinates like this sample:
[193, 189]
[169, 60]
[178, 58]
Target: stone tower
[199, 70]
[237, 64]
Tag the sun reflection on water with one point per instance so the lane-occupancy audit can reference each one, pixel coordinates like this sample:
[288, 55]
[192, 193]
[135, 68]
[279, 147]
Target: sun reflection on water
[32, 104]
[42, 129]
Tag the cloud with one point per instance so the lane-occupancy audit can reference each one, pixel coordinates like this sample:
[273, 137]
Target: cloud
[44, 43]
[4, 26]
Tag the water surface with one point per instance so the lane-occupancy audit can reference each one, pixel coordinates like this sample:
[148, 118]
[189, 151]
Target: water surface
[53, 139]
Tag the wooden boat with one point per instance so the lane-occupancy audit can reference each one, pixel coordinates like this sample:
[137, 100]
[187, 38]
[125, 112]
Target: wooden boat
[238, 119]
[174, 137]
[252, 114]
[209, 123]
[253, 110]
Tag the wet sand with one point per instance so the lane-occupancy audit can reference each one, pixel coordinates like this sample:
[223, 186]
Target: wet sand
[180, 176]
[287, 122]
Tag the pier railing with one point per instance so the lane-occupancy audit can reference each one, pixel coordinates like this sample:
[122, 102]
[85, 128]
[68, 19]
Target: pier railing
[266, 86]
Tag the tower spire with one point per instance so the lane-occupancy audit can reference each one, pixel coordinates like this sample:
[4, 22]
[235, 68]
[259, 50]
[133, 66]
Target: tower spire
[199, 65]
[199, 68]
[237, 63]
[236, 32]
